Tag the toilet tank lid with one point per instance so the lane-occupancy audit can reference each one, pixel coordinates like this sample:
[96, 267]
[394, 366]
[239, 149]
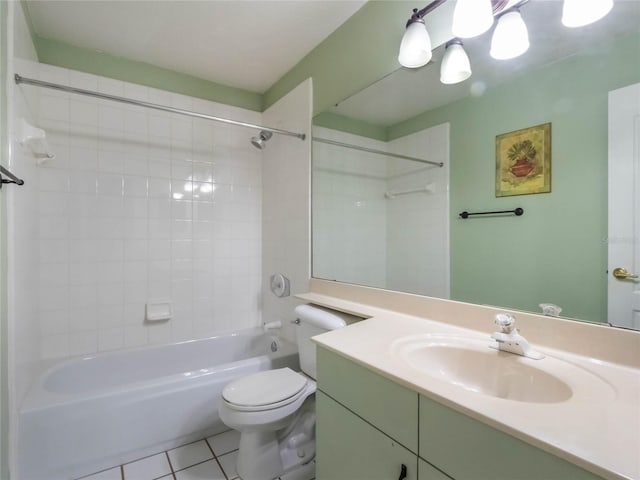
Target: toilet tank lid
[323, 317]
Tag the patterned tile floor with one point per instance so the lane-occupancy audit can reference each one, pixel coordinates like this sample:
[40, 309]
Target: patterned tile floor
[212, 458]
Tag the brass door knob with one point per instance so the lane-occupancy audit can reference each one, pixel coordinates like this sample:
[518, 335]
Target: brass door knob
[622, 274]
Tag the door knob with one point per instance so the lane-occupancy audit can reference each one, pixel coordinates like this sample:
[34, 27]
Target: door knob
[622, 274]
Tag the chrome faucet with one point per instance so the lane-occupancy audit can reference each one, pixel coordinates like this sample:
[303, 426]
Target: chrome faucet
[509, 340]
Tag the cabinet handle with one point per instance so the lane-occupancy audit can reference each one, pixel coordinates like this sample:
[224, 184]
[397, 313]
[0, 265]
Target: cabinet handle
[403, 472]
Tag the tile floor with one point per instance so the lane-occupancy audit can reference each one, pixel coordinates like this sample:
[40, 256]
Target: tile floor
[212, 458]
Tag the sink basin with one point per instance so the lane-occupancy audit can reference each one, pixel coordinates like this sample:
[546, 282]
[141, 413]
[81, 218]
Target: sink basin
[470, 364]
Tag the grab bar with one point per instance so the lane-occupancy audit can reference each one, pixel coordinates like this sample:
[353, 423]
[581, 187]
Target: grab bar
[517, 212]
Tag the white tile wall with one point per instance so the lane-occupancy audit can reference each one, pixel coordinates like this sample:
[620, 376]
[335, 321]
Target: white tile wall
[23, 246]
[137, 205]
[418, 254]
[349, 210]
[360, 236]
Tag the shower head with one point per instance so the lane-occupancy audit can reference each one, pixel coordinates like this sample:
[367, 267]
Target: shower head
[261, 140]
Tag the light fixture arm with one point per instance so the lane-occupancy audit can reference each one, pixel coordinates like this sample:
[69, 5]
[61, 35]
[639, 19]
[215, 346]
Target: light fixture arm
[513, 7]
[418, 15]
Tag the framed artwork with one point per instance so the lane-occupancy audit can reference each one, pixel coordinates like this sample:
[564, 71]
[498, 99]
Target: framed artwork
[523, 161]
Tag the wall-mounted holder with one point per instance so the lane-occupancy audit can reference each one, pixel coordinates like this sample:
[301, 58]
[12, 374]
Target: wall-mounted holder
[12, 177]
[517, 212]
[393, 194]
[280, 285]
[158, 311]
[35, 140]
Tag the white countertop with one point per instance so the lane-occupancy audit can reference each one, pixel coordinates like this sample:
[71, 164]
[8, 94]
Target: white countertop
[596, 429]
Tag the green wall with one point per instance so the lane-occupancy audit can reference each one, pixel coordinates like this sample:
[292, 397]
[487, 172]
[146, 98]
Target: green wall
[361, 51]
[85, 60]
[350, 125]
[557, 251]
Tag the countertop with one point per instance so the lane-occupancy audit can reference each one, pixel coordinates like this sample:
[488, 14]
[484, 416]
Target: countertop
[596, 429]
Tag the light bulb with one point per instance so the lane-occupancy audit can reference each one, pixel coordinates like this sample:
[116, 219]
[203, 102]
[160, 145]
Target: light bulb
[577, 13]
[510, 38]
[455, 66]
[415, 48]
[472, 18]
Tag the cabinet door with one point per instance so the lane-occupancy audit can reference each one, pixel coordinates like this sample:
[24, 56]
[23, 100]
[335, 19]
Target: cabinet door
[348, 448]
[428, 472]
[386, 405]
[470, 450]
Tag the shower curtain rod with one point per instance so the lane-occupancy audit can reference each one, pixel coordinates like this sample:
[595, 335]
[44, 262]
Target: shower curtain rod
[372, 150]
[40, 83]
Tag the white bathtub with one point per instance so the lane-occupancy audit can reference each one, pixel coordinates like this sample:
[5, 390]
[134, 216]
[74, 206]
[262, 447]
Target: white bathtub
[92, 413]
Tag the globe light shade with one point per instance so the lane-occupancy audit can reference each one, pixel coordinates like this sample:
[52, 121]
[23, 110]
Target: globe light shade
[472, 18]
[510, 38]
[578, 13]
[455, 66]
[415, 48]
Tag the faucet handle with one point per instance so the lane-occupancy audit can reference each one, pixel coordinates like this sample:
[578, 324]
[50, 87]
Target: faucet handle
[506, 322]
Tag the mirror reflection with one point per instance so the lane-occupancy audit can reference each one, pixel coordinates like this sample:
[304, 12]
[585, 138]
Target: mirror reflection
[394, 223]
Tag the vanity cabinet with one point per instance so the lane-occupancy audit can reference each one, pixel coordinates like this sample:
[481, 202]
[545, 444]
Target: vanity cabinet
[350, 448]
[368, 426]
[468, 449]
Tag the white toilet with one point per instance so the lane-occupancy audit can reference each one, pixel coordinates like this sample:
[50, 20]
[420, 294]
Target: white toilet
[274, 410]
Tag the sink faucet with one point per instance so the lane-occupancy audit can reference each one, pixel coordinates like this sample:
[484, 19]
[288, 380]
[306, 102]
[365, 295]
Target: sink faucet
[509, 340]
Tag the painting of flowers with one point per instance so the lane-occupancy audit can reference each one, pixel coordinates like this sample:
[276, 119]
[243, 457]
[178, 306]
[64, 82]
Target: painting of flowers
[523, 161]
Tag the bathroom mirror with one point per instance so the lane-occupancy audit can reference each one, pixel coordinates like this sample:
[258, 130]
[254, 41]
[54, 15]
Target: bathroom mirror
[393, 223]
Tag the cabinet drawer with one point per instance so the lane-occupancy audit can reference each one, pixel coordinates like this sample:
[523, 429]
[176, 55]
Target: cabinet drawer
[381, 402]
[470, 450]
[347, 447]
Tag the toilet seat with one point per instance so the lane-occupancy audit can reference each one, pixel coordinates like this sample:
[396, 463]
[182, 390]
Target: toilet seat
[265, 390]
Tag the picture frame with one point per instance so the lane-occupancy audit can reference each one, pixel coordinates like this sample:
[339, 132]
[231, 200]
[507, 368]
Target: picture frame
[523, 161]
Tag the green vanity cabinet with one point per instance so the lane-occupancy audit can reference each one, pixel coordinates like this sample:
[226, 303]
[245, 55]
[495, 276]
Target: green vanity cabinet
[350, 448]
[368, 426]
[389, 407]
[468, 449]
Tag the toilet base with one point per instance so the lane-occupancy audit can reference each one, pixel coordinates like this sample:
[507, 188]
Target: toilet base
[265, 455]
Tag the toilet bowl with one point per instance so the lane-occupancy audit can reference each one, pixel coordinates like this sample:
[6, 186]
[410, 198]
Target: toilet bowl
[274, 410]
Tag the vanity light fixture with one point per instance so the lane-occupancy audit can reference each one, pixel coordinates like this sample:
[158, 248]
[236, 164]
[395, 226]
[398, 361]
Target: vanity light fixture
[415, 48]
[510, 38]
[455, 66]
[472, 18]
[577, 13]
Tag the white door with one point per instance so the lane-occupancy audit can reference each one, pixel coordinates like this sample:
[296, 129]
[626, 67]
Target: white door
[624, 207]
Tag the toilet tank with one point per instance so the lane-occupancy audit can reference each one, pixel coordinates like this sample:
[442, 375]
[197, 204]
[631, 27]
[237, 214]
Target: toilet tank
[311, 321]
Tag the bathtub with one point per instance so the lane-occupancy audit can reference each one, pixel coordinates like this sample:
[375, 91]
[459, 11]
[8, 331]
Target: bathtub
[92, 413]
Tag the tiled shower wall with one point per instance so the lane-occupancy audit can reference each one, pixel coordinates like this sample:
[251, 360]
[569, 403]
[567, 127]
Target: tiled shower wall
[349, 217]
[363, 236]
[141, 205]
[418, 252]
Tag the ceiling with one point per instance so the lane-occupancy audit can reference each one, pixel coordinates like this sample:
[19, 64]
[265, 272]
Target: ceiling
[248, 44]
[408, 92]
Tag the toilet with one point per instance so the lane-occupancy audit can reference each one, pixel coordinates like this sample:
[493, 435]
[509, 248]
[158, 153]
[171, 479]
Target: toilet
[274, 410]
